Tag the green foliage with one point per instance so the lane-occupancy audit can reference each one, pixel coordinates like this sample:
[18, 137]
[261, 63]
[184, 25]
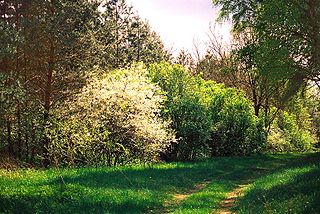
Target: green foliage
[184, 107]
[8, 36]
[286, 136]
[209, 118]
[13, 121]
[235, 128]
[41, 52]
[313, 99]
[122, 37]
[114, 120]
[57, 99]
[286, 38]
[292, 130]
[11, 93]
[192, 125]
[49, 48]
[299, 138]
[279, 52]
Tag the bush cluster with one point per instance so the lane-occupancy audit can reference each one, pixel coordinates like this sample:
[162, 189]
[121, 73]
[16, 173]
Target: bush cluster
[287, 136]
[140, 115]
[209, 119]
[115, 120]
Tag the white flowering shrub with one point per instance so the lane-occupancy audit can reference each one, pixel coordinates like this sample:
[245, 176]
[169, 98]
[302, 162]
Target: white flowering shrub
[114, 120]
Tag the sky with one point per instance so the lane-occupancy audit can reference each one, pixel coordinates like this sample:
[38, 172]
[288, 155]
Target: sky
[181, 23]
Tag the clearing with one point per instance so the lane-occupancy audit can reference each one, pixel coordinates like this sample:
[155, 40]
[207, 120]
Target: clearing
[273, 184]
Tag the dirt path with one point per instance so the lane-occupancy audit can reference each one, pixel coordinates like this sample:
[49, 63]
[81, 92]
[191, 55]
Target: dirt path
[229, 202]
[225, 206]
[178, 198]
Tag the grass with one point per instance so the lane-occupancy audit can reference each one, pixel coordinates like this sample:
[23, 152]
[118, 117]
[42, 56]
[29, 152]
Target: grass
[149, 189]
[294, 188]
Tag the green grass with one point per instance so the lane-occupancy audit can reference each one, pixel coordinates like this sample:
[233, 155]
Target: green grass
[139, 189]
[294, 188]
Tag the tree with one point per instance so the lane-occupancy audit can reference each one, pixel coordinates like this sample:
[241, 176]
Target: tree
[43, 53]
[236, 68]
[185, 59]
[287, 38]
[127, 38]
[49, 48]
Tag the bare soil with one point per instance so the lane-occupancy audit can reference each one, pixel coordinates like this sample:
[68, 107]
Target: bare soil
[231, 199]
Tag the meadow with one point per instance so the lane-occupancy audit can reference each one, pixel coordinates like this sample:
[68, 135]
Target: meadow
[282, 183]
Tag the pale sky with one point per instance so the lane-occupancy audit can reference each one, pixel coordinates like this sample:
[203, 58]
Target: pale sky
[180, 22]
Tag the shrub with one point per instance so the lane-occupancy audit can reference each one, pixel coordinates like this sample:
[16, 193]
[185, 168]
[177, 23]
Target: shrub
[192, 125]
[209, 119]
[235, 128]
[184, 107]
[286, 136]
[114, 120]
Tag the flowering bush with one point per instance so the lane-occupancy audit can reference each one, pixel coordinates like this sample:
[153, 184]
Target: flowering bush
[114, 120]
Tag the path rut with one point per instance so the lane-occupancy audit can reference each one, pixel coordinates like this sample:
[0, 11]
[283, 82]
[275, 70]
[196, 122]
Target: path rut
[230, 201]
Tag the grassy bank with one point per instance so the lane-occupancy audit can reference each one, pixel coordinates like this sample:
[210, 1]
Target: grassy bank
[201, 186]
[294, 188]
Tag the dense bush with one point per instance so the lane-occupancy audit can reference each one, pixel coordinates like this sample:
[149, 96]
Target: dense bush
[286, 136]
[20, 125]
[114, 120]
[10, 93]
[192, 125]
[137, 115]
[293, 128]
[235, 128]
[209, 119]
[184, 107]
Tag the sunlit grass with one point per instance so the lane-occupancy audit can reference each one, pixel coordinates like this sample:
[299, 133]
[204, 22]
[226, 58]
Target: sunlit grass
[294, 188]
[133, 189]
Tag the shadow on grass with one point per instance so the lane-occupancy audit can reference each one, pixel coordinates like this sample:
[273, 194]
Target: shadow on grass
[294, 188]
[127, 190]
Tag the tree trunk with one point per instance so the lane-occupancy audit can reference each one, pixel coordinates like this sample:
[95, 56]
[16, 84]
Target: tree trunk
[9, 138]
[19, 152]
[48, 91]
